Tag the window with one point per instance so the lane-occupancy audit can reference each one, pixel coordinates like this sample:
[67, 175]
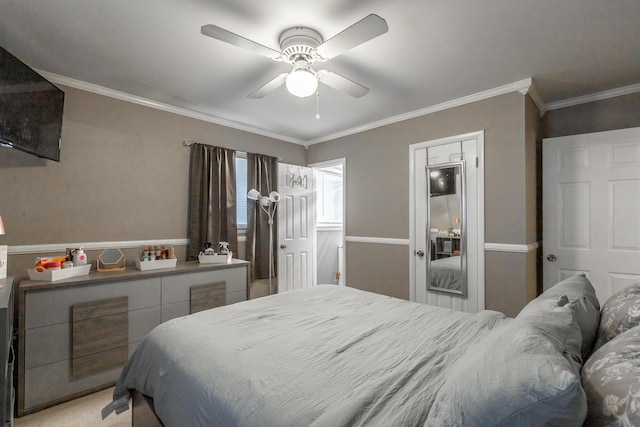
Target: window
[241, 190]
[329, 192]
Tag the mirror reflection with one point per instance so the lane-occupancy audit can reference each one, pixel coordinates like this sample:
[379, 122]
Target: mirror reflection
[446, 219]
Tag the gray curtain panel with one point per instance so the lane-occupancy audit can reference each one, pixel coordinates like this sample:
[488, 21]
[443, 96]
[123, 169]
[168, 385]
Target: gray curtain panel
[262, 174]
[212, 198]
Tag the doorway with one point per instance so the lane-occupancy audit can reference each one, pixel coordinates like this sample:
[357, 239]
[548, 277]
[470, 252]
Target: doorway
[329, 184]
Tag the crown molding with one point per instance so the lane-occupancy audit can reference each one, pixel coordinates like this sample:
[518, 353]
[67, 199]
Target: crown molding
[599, 96]
[522, 86]
[101, 90]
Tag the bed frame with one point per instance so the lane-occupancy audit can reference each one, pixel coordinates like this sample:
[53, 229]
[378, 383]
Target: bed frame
[143, 412]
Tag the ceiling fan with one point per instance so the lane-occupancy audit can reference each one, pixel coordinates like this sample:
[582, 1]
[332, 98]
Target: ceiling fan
[302, 47]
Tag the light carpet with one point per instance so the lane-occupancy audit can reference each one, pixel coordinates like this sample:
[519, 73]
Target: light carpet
[81, 412]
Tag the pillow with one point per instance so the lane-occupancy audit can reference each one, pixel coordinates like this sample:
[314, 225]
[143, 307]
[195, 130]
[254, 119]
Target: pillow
[525, 373]
[581, 297]
[611, 379]
[619, 313]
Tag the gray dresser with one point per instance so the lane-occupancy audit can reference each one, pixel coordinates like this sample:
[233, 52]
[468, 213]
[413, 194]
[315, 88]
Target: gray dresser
[6, 351]
[74, 335]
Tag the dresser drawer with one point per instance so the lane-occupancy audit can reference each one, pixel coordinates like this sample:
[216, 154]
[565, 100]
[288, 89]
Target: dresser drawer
[50, 344]
[49, 307]
[177, 288]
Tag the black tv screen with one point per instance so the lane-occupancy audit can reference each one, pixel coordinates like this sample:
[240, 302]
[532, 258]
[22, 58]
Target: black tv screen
[442, 181]
[30, 109]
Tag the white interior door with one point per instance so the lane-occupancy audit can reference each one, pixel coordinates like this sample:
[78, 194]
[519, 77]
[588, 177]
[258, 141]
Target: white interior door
[296, 228]
[468, 148]
[591, 209]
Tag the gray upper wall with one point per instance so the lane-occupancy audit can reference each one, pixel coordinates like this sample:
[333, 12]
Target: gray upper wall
[608, 114]
[377, 168]
[122, 176]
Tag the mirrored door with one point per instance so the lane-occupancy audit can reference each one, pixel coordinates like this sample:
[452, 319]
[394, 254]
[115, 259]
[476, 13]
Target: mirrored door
[446, 228]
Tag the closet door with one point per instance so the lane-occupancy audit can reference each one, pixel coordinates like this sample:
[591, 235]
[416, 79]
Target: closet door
[591, 215]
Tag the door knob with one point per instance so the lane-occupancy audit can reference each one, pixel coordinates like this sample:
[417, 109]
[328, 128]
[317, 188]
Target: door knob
[420, 253]
[283, 246]
[551, 258]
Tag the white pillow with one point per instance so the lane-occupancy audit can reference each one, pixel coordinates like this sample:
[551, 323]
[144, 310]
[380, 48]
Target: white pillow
[525, 373]
[577, 293]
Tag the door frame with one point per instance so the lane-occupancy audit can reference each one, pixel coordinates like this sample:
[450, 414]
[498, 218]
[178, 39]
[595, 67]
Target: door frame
[314, 166]
[479, 213]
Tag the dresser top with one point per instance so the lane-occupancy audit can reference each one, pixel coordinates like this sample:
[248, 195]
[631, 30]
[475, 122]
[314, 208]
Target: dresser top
[95, 277]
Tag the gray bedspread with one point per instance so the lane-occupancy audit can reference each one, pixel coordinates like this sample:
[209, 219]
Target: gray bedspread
[324, 356]
[445, 273]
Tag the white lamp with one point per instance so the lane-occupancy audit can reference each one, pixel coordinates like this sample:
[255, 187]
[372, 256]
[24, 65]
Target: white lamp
[268, 204]
[302, 81]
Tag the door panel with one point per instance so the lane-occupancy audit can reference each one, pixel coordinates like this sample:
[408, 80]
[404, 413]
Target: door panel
[296, 219]
[591, 209]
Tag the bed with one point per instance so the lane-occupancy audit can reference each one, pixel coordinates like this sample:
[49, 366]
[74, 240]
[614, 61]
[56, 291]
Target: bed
[337, 356]
[445, 273]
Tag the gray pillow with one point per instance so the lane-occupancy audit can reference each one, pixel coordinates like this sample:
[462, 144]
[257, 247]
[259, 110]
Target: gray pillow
[577, 293]
[610, 379]
[525, 373]
[619, 313]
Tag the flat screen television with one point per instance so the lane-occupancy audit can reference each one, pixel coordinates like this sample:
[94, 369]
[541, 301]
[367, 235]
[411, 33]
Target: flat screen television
[30, 109]
[442, 181]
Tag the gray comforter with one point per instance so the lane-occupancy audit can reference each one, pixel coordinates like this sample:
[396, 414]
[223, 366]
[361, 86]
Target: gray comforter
[445, 273]
[324, 356]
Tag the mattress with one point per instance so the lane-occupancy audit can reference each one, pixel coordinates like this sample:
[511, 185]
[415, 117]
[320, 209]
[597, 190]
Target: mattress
[323, 356]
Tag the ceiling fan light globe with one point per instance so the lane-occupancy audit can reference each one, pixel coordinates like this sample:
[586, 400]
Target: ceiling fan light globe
[302, 83]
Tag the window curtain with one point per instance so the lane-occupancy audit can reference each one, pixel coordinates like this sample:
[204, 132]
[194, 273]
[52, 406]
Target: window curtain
[262, 174]
[212, 198]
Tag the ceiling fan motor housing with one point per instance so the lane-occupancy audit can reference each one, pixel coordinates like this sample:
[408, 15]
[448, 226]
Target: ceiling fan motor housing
[300, 42]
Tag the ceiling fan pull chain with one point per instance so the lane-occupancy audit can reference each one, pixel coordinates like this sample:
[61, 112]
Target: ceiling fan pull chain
[318, 104]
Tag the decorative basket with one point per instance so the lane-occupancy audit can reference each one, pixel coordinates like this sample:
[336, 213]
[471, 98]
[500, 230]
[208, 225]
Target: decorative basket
[53, 275]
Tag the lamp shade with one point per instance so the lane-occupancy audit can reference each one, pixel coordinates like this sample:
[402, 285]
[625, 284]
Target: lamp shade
[302, 83]
[253, 194]
[1, 226]
[274, 196]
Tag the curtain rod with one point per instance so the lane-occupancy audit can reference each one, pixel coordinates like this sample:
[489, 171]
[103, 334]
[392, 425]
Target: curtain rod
[189, 143]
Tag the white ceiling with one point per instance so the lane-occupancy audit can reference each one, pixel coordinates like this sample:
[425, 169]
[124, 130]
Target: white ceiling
[435, 51]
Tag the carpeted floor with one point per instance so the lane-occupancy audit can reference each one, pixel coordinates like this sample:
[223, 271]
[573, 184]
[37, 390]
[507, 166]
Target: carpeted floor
[81, 412]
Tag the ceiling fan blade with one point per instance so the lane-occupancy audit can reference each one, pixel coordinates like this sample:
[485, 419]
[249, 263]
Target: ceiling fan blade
[362, 31]
[341, 83]
[269, 87]
[228, 37]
